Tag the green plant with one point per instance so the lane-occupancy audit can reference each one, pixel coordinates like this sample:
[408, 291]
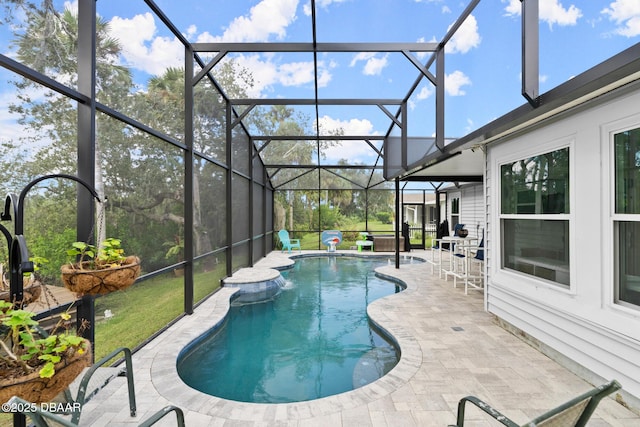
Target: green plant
[110, 254]
[38, 262]
[384, 217]
[176, 249]
[24, 348]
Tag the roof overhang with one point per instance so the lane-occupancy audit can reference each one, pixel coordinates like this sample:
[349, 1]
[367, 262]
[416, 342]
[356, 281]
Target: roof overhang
[461, 166]
[616, 74]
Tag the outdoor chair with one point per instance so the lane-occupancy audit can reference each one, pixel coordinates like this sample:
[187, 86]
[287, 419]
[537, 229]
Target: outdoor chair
[473, 265]
[39, 417]
[88, 383]
[436, 250]
[288, 243]
[331, 239]
[574, 413]
[93, 379]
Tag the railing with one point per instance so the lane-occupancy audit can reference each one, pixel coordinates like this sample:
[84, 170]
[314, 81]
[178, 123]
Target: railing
[429, 231]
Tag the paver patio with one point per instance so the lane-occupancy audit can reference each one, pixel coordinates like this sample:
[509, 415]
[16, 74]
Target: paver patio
[450, 348]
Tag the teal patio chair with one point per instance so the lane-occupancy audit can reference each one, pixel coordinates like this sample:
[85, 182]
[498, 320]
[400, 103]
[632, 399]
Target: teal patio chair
[574, 413]
[288, 243]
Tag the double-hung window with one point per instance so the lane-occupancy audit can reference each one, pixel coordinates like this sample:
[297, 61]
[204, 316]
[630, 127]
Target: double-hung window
[626, 216]
[455, 212]
[534, 216]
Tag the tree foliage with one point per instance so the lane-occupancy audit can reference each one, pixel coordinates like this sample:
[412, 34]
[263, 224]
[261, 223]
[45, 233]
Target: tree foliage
[142, 176]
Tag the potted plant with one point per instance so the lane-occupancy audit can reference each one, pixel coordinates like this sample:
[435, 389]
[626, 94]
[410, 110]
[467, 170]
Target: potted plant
[99, 270]
[34, 365]
[32, 286]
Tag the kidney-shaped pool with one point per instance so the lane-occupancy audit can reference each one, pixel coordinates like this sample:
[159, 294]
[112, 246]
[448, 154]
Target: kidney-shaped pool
[313, 339]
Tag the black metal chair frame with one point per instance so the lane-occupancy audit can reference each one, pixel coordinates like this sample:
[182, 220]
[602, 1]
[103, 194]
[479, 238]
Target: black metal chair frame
[590, 400]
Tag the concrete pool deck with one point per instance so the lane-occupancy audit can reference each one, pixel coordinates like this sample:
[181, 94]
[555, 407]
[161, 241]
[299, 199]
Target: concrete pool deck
[450, 348]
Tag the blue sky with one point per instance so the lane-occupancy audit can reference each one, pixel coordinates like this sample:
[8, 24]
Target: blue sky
[482, 62]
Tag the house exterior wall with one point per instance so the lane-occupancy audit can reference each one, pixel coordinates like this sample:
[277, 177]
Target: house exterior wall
[472, 208]
[581, 323]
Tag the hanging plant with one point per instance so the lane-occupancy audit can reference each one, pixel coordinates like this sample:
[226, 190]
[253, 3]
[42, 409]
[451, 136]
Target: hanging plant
[99, 271]
[34, 365]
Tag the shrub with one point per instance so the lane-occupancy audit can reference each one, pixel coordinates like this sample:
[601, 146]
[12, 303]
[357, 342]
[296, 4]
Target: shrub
[385, 217]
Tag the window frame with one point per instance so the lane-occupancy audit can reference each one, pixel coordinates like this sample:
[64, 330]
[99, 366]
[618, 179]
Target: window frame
[454, 217]
[541, 149]
[615, 219]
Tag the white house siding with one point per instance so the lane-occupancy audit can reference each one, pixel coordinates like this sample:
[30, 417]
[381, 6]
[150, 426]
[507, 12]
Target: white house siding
[472, 209]
[581, 324]
[488, 232]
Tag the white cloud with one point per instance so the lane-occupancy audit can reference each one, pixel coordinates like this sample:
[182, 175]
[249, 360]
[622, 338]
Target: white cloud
[454, 82]
[514, 7]
[142, 49]
[423, 55]
[301, 73]
[350, 127]
[355, 152]
[191, 31]
[153, 54]
[465, 38]
[321, 3]
[267, 73]
[324, 75]
[425, 92]
[267, 18]
[362, 56]
[206, 37]
[374, 64]
[551, 11]
[626, 14]
[296, 73]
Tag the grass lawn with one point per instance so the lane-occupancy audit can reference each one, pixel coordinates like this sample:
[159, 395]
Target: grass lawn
[145, 308]
[140, 311]
[309, 241]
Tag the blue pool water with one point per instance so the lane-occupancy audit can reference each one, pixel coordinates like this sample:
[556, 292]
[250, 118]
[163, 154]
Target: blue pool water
[312, 340]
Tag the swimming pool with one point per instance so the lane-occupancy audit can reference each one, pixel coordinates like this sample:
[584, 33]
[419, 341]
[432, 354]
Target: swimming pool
[312, 340]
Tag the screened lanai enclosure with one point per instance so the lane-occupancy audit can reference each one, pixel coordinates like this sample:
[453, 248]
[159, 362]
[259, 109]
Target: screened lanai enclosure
[198, 157]
[192, 171]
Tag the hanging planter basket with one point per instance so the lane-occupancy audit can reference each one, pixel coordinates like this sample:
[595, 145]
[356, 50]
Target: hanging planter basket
[98, 282]
[34, 389]
[31, 293]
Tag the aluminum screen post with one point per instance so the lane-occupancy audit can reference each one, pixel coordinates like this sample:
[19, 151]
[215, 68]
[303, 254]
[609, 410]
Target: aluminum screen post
[530, 52]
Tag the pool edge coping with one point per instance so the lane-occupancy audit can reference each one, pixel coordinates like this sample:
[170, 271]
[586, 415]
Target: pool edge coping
[169, 385]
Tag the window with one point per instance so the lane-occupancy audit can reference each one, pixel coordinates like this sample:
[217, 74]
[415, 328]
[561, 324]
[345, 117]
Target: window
[626, 219]
[534, 216]
[455, 212]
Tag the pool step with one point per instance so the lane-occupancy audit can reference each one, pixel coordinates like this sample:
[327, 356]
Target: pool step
[373, 365]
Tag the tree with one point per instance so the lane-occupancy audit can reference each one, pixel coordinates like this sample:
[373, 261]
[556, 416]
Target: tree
[142, 177]
[48, 44]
